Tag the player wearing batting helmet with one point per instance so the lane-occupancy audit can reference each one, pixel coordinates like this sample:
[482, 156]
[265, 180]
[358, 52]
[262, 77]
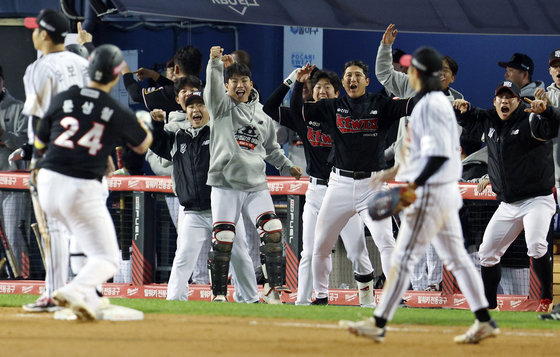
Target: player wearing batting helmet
[432, 168]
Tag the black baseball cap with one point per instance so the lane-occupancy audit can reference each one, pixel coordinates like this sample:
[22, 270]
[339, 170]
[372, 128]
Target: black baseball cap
[397, 54]
[510, 86]
[425, 59]
[554, 56]
[192, 97]
[52, 21]
[519, 61]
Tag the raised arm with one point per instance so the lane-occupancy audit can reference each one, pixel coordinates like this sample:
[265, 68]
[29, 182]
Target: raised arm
[395, 82]
[544, 119]
[215, 96]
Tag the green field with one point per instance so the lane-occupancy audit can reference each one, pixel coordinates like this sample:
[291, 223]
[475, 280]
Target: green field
[442, 317]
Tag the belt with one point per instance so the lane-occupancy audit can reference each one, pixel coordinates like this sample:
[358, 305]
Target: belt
[356, 175]
[318, 181]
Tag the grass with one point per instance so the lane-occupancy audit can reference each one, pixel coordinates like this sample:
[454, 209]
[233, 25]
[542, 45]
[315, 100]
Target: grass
[441, 317]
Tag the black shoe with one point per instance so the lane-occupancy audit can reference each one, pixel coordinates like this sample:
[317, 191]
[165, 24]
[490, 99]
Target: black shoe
[321, 301]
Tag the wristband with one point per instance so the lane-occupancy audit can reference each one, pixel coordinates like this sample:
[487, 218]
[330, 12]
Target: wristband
[291, 79]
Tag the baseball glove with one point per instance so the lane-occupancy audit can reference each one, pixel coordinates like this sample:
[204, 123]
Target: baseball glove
[387, 203]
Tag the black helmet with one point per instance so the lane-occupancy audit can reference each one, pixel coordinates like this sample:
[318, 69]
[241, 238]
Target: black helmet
[105, 64]
[78, 49]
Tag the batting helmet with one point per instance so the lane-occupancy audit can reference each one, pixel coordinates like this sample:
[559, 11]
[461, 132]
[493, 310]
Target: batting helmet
[78, 49]
[105, 64]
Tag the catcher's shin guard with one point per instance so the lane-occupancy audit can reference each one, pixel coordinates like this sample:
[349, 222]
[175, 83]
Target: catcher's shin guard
[273, 263]
[218, 259]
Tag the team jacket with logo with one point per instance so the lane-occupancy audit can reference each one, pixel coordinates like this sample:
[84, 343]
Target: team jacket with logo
[81, 129]
[357, 126]
[519, 156]
[316, 143]
[242, 137]
[189, 150]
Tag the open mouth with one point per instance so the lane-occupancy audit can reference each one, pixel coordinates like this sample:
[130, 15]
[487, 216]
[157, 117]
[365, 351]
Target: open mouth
[353, 86]
[239, 94]
[504, 109]
[197, 118]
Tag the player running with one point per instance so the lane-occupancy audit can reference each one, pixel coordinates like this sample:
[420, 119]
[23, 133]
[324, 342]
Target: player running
[77, 134]
[432, 168]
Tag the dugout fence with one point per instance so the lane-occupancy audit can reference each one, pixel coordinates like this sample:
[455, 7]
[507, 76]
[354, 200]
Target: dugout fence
[147, 236]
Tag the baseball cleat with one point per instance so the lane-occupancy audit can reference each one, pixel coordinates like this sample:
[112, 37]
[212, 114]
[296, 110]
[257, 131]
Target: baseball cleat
[42, 304]
[219, 298]
[77, 304]
[553, 315]
[365, 328]
[320, 301]
[478, 332]
[272, 297]
[545, 306]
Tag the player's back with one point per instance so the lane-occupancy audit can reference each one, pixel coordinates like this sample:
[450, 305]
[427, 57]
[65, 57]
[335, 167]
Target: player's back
[432, 131]
[49, 75]
[82, 127]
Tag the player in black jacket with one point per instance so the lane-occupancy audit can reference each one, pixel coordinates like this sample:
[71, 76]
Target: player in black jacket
[317, 147]
[521, 171]
[188, 149]
[357, 124]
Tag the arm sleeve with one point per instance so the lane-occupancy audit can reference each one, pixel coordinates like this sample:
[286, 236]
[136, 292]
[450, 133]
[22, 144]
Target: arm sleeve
[163, 142]
[394, 109]
[272, 107]
[164, 81]
[471, 121]
[133, 88]
[545, 125]
[433, 164]
[395, 82]
[215, 96]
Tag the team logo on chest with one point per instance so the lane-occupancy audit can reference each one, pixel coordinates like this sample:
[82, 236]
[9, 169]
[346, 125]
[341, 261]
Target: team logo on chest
[247, 137]
[318, 138]
[183, 148]
[491, 132]
[348, 125]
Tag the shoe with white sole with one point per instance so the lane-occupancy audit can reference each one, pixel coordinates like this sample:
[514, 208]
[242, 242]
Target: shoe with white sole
[42, 304]
[76, 303]
[219, 298]
[271, 296]
[365, 328]
[478, 332]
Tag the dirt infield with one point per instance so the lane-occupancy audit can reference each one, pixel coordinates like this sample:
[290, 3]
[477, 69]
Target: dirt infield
[24, 334]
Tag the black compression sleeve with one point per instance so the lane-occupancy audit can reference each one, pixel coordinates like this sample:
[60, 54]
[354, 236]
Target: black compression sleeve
[433, 164]
[272, 105]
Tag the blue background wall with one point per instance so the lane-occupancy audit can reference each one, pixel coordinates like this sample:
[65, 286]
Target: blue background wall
[476, 55]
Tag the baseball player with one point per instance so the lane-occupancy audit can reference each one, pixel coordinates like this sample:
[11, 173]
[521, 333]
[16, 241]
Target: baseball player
[357, 124]
[55, 71]
[432, 168]
[317, 145]
[77, 134]
[241, 137]
[521, 172]
[189, 150]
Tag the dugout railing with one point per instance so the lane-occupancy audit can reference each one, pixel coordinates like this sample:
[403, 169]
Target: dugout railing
[147, 240]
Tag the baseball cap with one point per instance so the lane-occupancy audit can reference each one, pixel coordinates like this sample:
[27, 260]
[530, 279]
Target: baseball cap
[554, 56]
[51, 20]
[425, 59]
[519, 61]
[510, 86]
[397, 54]
[192, 97]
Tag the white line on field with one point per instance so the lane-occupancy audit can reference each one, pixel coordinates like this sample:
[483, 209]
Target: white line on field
[537, 333]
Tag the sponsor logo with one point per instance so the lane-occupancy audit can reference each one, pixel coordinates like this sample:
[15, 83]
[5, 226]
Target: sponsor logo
[239, 6]
[353, 126]
[300, 30]
[183, 148]
[295, 186]
[205, 294]
[350, 297]
[515, 132]
[7, 289]
[159, 184]
[8, 181]
[293, 296]
[491, 132]
[190, 293]
[275, 187]
[115, 183]
[26, 182]
[373, 112]
[458, 302]
[131, 291]
[133, 183]
[26, 289]
[299, 59]
[514, 304]
[463, 190]
[432, 300]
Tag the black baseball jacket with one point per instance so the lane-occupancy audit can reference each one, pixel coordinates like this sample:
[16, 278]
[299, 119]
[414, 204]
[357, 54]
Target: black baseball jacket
[357, 126]
[520, 162]
[162, 96]
[190, 154]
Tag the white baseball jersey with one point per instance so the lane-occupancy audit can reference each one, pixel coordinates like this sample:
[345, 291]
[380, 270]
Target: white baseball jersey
[432, 116]
[46, 77]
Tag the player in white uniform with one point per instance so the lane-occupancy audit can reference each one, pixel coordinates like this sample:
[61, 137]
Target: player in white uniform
[432, 168]
[56, 71]
[79, 131]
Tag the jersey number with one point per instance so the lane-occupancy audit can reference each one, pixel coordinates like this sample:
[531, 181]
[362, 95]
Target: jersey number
[90, 140]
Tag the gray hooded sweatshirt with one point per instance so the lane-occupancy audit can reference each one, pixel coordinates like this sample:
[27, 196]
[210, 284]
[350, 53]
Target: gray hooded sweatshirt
[242, 136]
